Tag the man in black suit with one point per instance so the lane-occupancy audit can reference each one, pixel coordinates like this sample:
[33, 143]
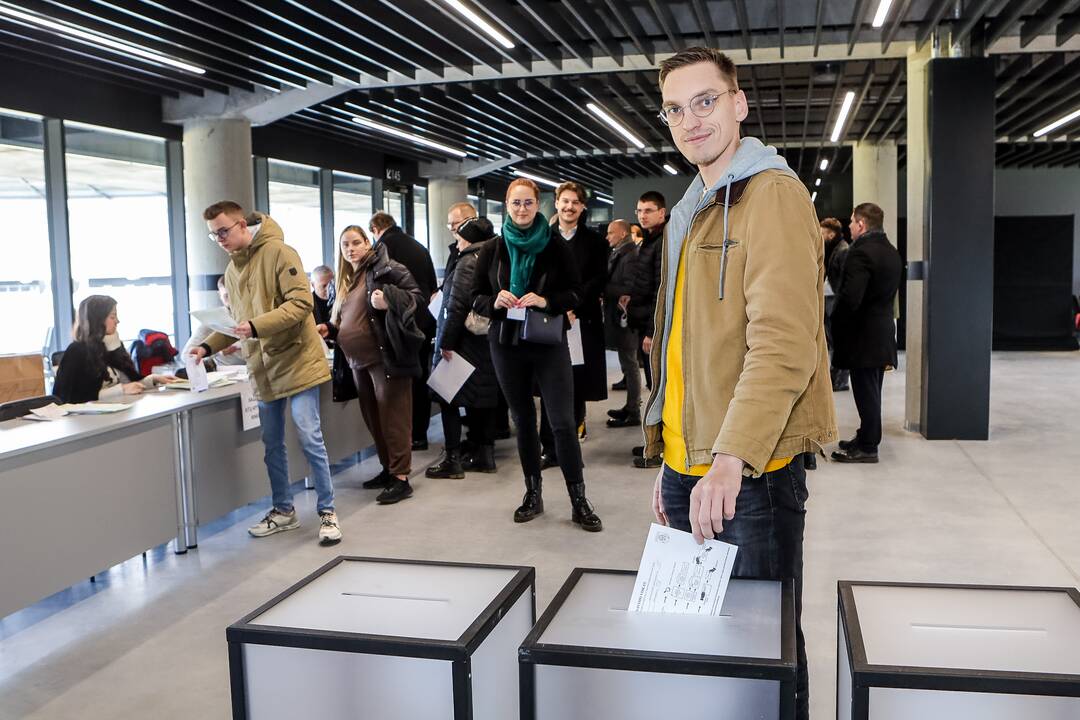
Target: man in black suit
[406, 250]
[864, 330]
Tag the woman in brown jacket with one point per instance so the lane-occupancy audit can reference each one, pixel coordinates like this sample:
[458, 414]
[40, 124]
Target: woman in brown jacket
[374, 324]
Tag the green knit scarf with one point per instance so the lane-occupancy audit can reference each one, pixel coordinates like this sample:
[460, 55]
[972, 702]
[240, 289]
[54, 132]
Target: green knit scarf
[524, 245]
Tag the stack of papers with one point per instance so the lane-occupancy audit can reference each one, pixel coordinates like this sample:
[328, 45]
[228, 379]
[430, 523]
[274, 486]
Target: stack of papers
[52, 411]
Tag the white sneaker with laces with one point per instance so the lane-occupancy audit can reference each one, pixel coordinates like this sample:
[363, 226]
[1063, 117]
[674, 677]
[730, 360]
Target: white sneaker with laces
[275, 521]
[329, 530]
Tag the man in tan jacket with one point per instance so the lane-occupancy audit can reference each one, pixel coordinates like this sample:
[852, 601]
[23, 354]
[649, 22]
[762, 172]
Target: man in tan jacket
[742, 373]
[272, 302]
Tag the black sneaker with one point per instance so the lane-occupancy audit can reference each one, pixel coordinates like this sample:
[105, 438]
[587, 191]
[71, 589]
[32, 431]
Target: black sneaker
[624, 421]
[855, 455]
[639, 450]
[395, 492]
[378, 482]
[618, 413]
[419, 445]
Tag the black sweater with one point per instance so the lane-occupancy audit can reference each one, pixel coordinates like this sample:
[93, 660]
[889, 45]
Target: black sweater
[79, 378]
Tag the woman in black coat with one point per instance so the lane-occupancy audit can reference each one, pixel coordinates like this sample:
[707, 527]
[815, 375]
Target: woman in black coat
[374, 322]
[458, 334]
[95, 366]
[525, 282]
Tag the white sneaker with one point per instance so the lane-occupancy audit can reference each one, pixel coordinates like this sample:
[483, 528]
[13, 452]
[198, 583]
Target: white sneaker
[274, 522]
[329, 531]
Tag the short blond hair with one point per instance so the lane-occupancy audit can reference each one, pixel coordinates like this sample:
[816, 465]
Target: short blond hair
[466, 208]
[695, 55]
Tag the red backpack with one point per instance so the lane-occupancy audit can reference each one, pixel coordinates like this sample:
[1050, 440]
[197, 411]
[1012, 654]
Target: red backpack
[150, 350]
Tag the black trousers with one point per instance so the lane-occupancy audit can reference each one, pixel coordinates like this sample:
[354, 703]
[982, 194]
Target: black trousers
[547, 439]
[644, 360]
[481, 425]
[519, 369]
[866, 388]
[421, 396]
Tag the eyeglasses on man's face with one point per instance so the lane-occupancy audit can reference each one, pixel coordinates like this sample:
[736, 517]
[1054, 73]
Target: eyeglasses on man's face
[221, 233]
[701, 105]
[523, 204]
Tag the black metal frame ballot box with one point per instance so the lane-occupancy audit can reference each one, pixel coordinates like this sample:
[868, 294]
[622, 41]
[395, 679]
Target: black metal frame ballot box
[387, 639]
[590, 659]
[937, 652]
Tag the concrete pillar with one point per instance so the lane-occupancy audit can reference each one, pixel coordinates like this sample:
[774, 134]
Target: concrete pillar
[217, 166]
[917, 166]
[874, 179]
[442, 193]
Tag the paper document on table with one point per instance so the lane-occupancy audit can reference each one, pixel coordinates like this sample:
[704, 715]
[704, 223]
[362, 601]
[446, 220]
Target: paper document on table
[679, 576]
[196, 373]
[52, 411]
[95, 408]
[214, 380]
[573, 340]
[435, 305]
[217, 319]
[449, 375]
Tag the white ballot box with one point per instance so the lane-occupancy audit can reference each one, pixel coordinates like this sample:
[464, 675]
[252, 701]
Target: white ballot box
[386, 640]
[590, 659]
[943, 652]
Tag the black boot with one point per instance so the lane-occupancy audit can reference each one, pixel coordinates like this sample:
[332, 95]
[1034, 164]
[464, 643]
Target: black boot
[482, 460]
[449, 468]
[533, 502]
[548, 460]
[583, 513]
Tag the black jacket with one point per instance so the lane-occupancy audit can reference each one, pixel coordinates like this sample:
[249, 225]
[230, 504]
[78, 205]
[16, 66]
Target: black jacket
[590, 252]
[864, 331]
[406, 250]
[396, 328]
[481, 390]
[80, 375]
[622, 267]
[835, 255]
[647, 281]
[554, 277]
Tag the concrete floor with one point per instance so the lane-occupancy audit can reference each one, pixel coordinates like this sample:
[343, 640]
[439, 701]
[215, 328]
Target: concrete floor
[152, 638]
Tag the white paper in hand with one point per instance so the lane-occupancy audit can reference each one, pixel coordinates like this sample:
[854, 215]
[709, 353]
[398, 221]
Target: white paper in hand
[196, 373]
[573, 340]
[515, 313]
[677, 575]
[217, 319]
[449, 375]
[435, 305]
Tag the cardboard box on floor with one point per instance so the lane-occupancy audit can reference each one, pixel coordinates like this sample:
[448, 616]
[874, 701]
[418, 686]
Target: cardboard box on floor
[21, 376]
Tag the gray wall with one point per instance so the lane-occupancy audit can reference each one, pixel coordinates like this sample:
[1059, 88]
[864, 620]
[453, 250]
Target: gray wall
[626, 191]
[1041, 191]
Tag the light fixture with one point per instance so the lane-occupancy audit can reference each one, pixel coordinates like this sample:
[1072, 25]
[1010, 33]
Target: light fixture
[536, 178]
[481, 23]
[824, 164]
[813, 198]
[615, 124]
[882, 12]
[603, 199]
[670, 169]
[92, 37]
[409, 136]
[817, 183]
[1057, 123]
[845, 108]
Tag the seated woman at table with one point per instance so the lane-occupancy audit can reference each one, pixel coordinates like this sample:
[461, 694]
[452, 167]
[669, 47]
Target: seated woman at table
[96, 366]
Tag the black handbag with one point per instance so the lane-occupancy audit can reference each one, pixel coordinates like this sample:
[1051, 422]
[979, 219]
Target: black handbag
[541, 328]
[343, 385]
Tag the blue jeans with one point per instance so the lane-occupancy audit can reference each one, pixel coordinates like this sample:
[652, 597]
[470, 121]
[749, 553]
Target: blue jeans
[304, 407]
[770, 513]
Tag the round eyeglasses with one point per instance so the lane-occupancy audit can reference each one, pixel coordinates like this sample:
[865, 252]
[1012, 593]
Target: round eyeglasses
[702, 106]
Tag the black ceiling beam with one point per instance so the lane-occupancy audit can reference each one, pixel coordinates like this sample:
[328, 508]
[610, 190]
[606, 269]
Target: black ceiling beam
[625, 94]
[1006, 18]
[514, 23]
[857, 17]
[519, 55]
[1022, 104]
[1044, 116]
[511, 129]
[704, 21]
[974, 16]
[393, 105]
[437, 19]
[406, 33]
[1069, 26]
[650, 91]
[896, 118]
[545, 108]
[781, 29]
[818, 15]
[633, 29]
[883, 101]
[757, 108]
[559, 29]
[868, 79]
[45, 58]
[783, 114]
[666, 21]
[515, 110]
[436, 102]
[164, 16]
[312, 118]
[1020, 66]
[597, 29]
[410, 100]
[899, 17]
[1042, 21]
[374, 106]
[806, 120]
[743, 18]
[571, 110]
[829, 111]
[422, 24]
[933, 18]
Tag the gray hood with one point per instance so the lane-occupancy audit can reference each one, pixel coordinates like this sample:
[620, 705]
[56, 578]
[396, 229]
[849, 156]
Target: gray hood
[751, 158]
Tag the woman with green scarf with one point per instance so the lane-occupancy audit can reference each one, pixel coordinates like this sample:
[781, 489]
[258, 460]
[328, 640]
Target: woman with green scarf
[523, 278]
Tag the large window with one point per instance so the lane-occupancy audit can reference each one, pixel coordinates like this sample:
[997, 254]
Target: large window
[294, 204]
[495, 214]
[394, 203]
[119, 224]
[25, 274]
[420, 229]
[352, 202]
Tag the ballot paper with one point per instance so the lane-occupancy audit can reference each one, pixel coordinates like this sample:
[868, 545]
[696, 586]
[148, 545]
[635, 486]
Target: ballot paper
[515, 313]
[435, 305]
[214, 380]
[196, 373]
[52, 411]
[449, 375]
[95, 408]
[679, 576]
[573, 339]
[217, 319]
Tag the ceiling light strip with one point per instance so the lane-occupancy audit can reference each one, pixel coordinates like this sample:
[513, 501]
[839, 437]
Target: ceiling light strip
[882, 12]
[610, 120]
[535, 178]
[670, 169]
[480, 23]
[416, 139]
[1057, 123]
[845, 108]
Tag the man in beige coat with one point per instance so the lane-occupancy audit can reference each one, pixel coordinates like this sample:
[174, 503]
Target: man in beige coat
[739, 360]
[272, 304]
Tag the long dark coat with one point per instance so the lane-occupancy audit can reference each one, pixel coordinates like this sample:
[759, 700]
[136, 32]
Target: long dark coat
[590, 252]
[864, 331]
